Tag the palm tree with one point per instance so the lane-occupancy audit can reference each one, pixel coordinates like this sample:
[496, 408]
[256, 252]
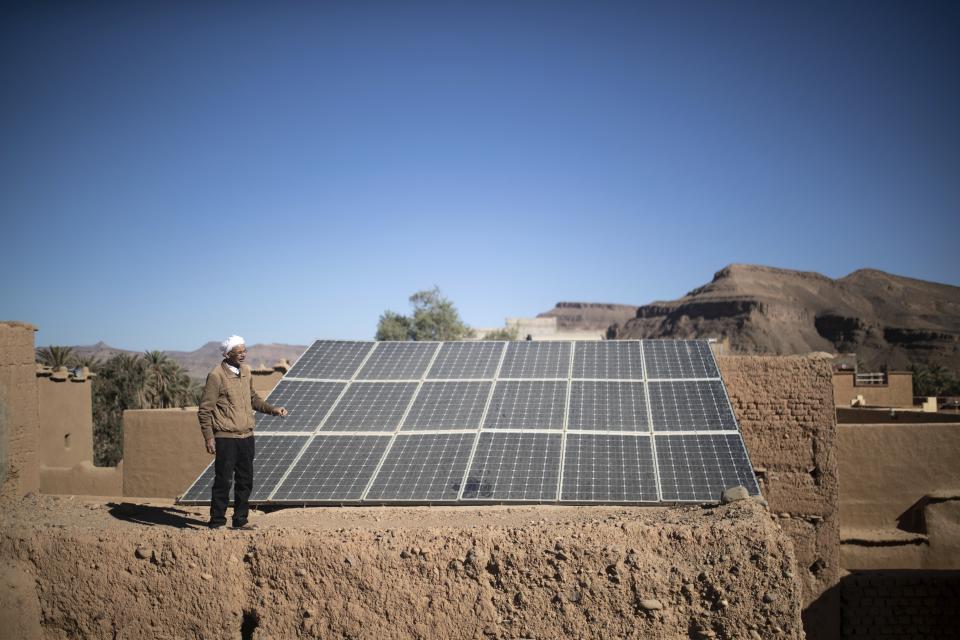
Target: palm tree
[193, 394]
[91, 362]
[56, 356]
[165, 384]
[119, 387]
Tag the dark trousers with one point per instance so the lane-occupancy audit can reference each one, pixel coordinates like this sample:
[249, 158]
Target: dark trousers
[233, 465]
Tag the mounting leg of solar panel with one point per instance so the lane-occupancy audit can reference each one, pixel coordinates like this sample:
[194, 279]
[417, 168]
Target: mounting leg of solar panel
[611, 422]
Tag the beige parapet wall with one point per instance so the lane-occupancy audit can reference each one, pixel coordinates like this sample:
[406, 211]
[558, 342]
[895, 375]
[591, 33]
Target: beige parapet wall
[784, 406]
[66, 420]
[82, 479]
[19, 418]
[163, 452]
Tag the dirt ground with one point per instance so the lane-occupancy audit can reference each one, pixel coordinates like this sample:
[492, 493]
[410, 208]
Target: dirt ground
[99, 568]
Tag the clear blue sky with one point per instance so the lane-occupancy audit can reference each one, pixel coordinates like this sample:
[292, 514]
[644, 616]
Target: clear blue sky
[171, 173]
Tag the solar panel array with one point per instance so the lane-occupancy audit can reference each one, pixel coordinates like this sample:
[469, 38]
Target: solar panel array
[624, 421]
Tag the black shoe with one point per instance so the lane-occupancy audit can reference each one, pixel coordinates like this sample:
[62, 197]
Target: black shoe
[217, 525]
[246, 526]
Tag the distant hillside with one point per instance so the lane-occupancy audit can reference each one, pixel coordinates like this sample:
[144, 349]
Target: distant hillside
[886, 319]
[198, 363]
[589, 316]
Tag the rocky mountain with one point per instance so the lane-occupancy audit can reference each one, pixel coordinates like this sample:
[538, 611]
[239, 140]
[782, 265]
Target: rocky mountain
[888, 320]
[199, 362]
[592, 316]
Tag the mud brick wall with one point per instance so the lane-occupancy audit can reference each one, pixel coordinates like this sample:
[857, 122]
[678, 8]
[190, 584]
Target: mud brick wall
[19, 419]
[785, 408]
[901, 604]
[395, 573]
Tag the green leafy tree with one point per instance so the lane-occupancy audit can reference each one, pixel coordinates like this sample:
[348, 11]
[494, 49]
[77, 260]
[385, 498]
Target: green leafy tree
[393, 326]
[434, 318]
[934, 381]
[509, 333]
[194, 393]
[56, 356]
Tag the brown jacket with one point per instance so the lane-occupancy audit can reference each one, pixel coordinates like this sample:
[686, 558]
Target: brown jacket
[226, 409]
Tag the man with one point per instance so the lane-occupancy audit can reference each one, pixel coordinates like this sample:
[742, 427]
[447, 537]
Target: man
[226, 420]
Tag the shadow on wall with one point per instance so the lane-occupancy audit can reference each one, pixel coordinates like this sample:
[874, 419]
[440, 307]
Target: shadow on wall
[153, 515]
[912, 520]
[901, 604]
[821, 616]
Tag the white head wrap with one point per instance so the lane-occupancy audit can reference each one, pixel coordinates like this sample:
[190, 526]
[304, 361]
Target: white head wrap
[227, 345]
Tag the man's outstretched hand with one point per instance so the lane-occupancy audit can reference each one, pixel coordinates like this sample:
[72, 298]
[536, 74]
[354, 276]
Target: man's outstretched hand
[211, 446]
[280, 411]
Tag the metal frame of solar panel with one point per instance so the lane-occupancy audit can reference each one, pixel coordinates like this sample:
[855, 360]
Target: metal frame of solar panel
[498, 422]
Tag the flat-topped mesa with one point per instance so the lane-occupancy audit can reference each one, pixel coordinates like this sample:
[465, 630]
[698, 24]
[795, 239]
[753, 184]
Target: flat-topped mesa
[606, 306]
[888, 320]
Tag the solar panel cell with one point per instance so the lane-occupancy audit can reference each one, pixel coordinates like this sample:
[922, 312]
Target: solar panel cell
[330, 360]
[308, 401]
[333, 468]
[609, 406]
[514, 466]
[609, 359]
[423, 467]
[371, 406]
[679, 359]
[398, 361]
[527, 404]
[608, 468]
[690, 406]
[699, 468]
[536, 360]
[448, 405]
[466, 360]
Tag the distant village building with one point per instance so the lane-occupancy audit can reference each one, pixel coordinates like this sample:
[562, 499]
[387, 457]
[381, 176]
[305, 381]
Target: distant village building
[540, 329]
[882, 389]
